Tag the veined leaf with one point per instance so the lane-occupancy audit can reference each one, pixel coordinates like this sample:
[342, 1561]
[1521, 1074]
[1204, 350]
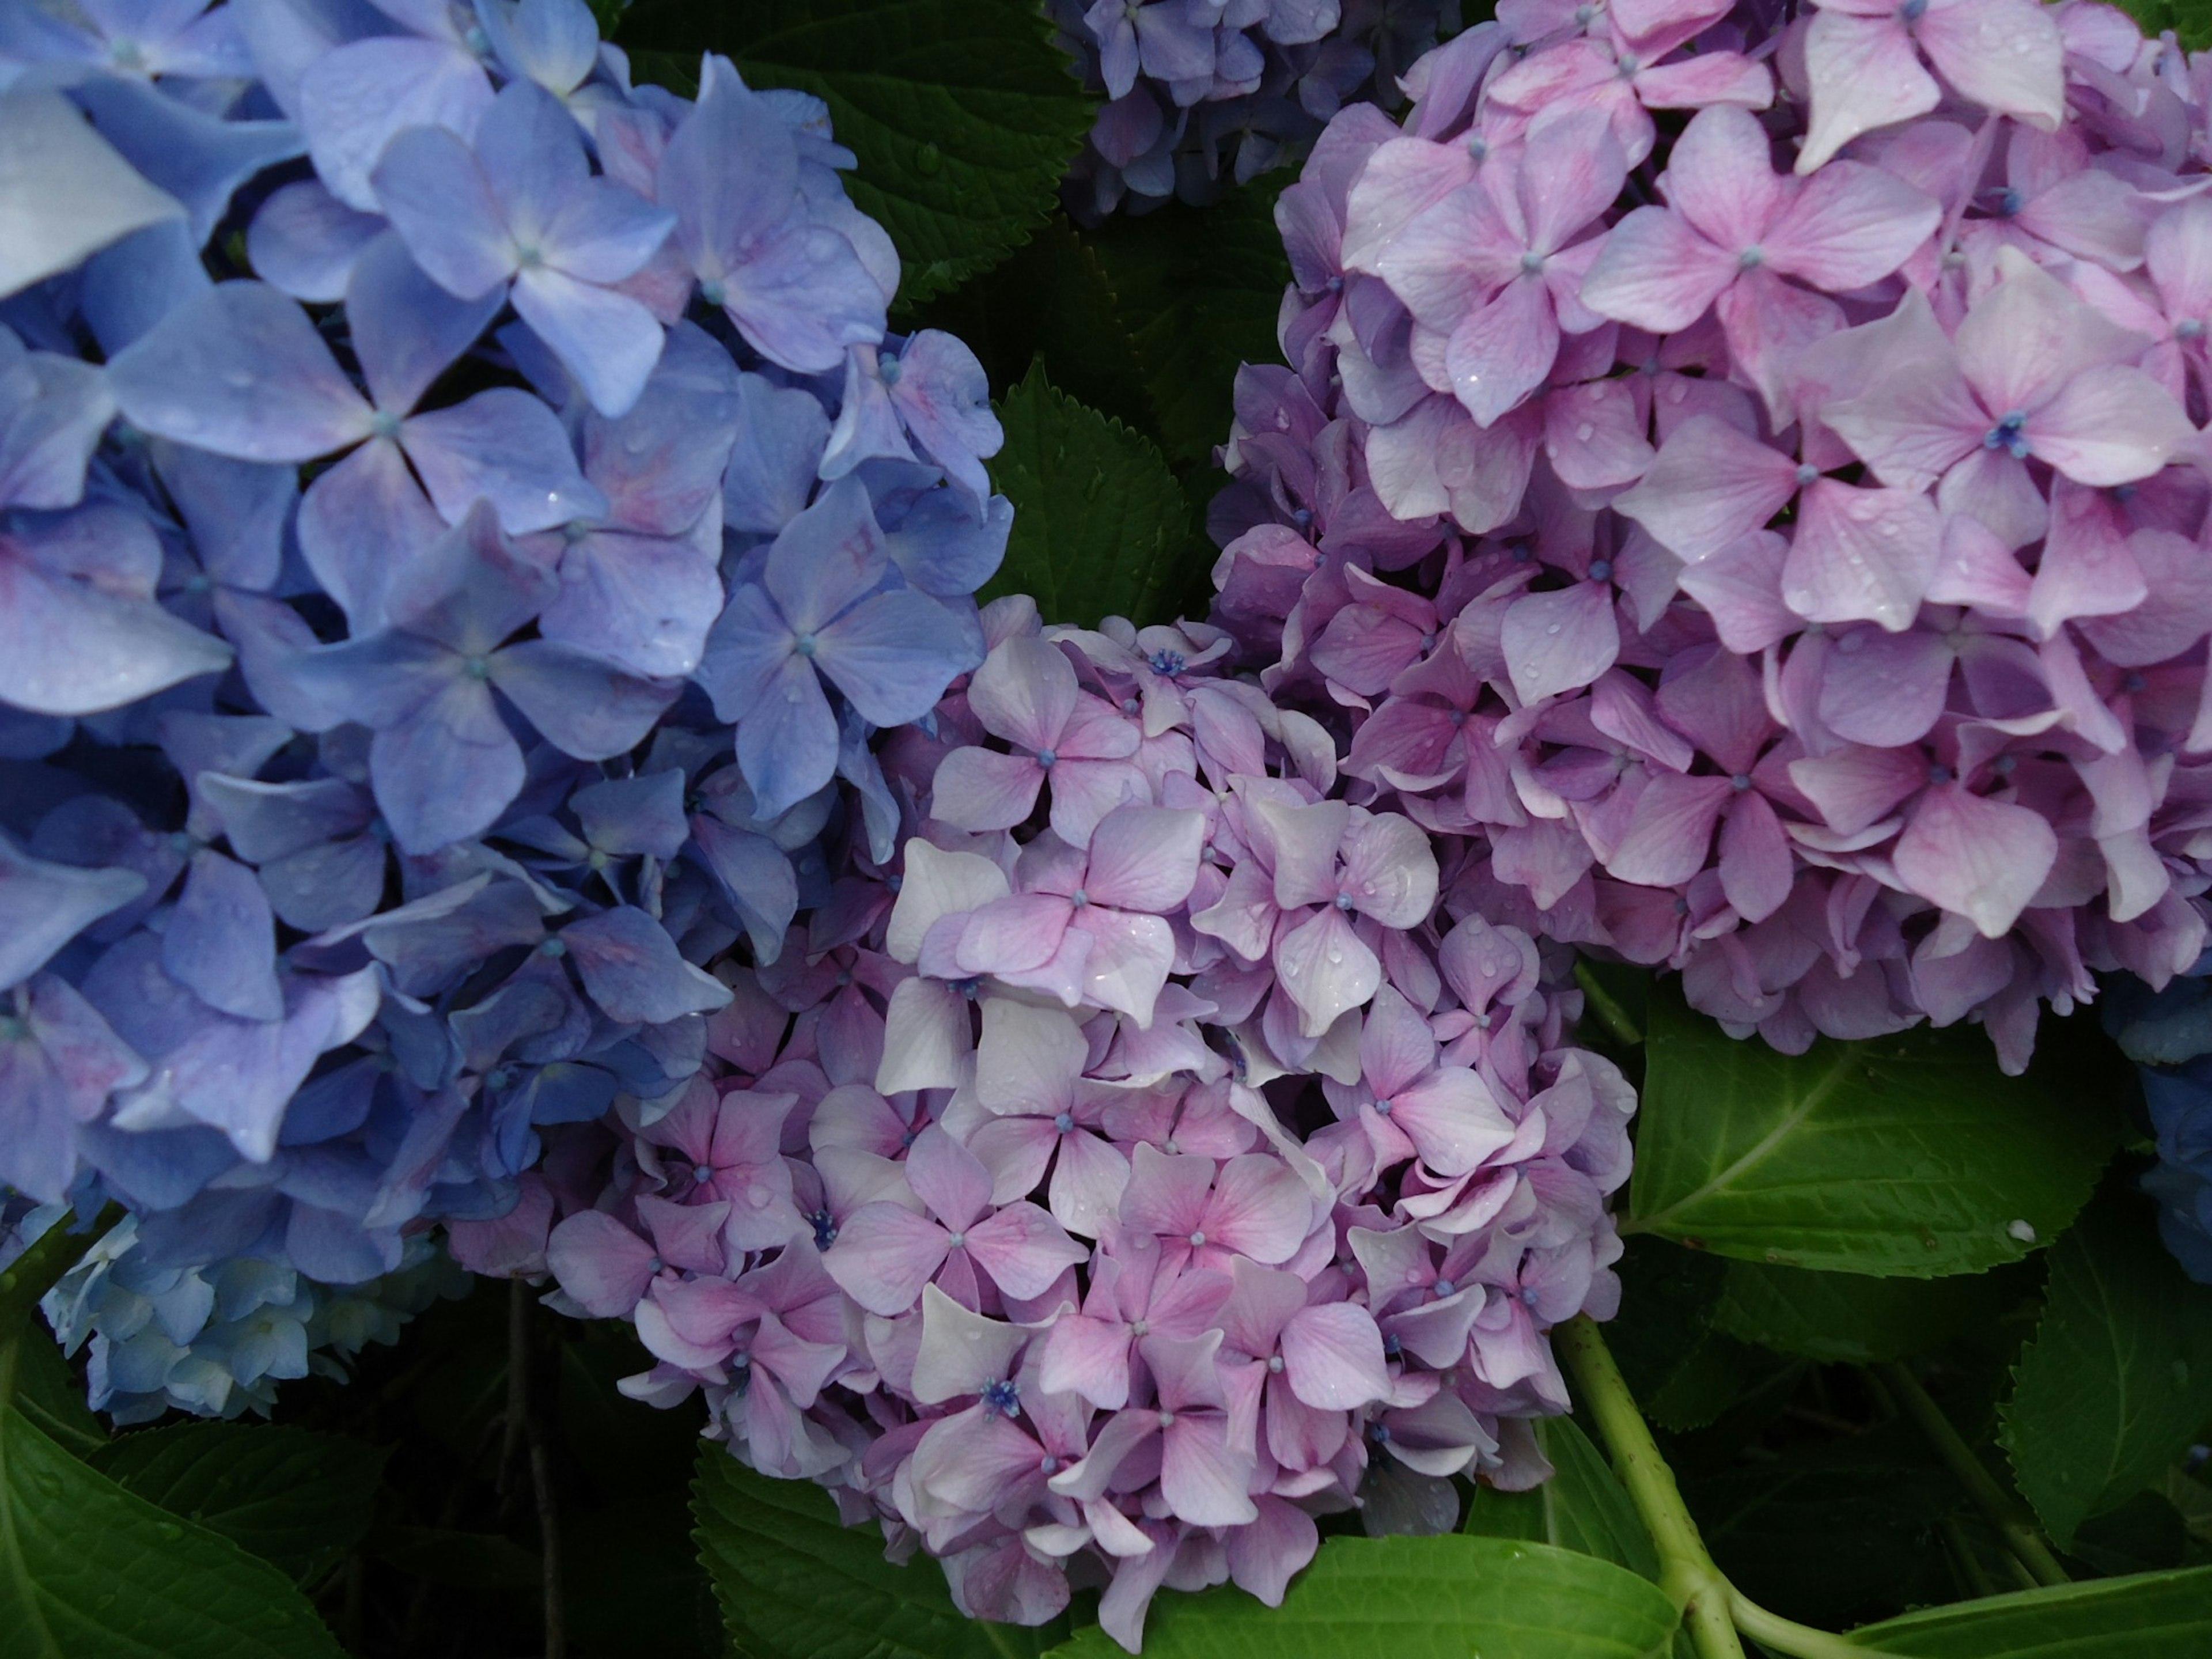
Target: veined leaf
[1417, 1598]
[2118, 1377]
[1101, 527]
[2152, 1615]
[1849, 1318]
[296, 1500]
[1583, 1507]
[1909, 1155]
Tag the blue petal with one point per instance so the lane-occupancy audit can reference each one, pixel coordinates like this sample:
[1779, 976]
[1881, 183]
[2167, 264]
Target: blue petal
[584, 705]
[268, 821]
[407, 331]
[504, 447]
[235, 511]
[52, 410]
[241, 371]
[780, 436]
[199, 158]
[447, 770]
[634, 971]
[894, 655]
[361, 525]
[221, 940]
[353, 102]
[661, 464]
[437, 197]
[627, 816]
[44, 906]
[607, 340]
[788, 742]
[130, 288]
[756, 877]
[941, 547]
[827, 558]
[305, 240]
[646, 602]
[79, 198]
[472, 588]
[748, 648]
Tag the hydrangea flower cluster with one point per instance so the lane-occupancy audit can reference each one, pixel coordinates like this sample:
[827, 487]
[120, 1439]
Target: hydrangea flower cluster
[1200, 93]
[1740, 472]
[462, 519]
[1141, 1166]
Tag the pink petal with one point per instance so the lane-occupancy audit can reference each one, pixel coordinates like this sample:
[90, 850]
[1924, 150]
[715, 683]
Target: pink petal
[1333, 1355]
[1739, 586]
[2088, 568]
[1862, 554]
[1023, 1250]
[1981, 858]
[1850, 225]
[1025, 692]
[884, 1255]
[1201, 1480]
[1389, 869]
[1886, 690]
[1087, 1183]
[1452, 1119]
[2111, 425]
[1709, 485]
[1669, 831]
[1655, 272]
[1854, 787]
[1260, 1207]
[1085, 791]
[961, 1350]
[1864, 74]
[1397, 1046]
[1012, 934]
[1560, 641]
[1304, 840]
[1326, 970]
[948, 1177]
[982, 789]
[1167, 1191]
[925, 1037]
[1129, 961]
[1145, 858]
[2025, 338]
[1502, 350]
[600, 1263]
[1089, 1357]
[1768, 324]
[1721, 179]
[2006, 55]
[1593, 436]
[1265, 1556]
[1756, 864]
[1976, 569]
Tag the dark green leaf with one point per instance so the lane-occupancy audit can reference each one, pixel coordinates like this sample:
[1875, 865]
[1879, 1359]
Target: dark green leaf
[1682, 1371]
[1417, 1598]
[962, 113]
[1583, 1507]
[48, 1393]
[89, 1571]
[1827, 1531]
[466, 1560]
[2154, 1615]
[298, 1500]
[2118, 1378]
[1850, 1318]
[795, 1584]
[2146, 1533]
[1197, 289]
[1909, 1155]
[2190, 19]
[1100, 526]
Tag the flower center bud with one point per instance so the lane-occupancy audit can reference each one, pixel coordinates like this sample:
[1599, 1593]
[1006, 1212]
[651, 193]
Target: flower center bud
[1532, 263]
[2010, 435]
[1344, 901]
[479, 668]
[958, 1241]
[825, 1230]
[1913, 10]
[1078, 898]
[806, 644]
[1740, 783]
[1003, 1397]
[1275, 1363]
[2189, 328]
[1065, 1123]
[1046, 759]
[1302, 516]
[889, 368]
[1443, 1287]
[702, 1172]
[1198, 1241]
[384, 424]
[554, 948]
[1601, 570]
[1168, 662]
[1751, 258]
[713, 293]
[1807, 474]
[1167, 1419]
[1939, 774]
[1383, 1108]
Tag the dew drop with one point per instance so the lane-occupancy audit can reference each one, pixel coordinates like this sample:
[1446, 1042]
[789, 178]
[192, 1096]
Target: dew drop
[2022, 1230]
[929, 160]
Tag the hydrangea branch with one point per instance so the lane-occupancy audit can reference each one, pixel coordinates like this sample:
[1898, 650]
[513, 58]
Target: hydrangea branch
[2002, 1510]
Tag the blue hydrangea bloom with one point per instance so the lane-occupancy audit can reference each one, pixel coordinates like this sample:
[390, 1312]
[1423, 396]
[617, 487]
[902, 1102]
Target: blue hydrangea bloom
[2169, 1036]
[459, 605]
[1201, 92]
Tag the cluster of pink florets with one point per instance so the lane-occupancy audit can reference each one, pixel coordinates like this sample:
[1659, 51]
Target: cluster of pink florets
[1148, 1165]
[1745, 479]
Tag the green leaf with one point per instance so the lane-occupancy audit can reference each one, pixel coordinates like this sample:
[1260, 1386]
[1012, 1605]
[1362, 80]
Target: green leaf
[1683, 1372]
[795, 1584]
[1827, 1531]
[2153, 1615]
[962, 113]
[1909, 1155]
[297, 1499]
[1583, 1507]
[2190, 19]
[1850, 1319]
[87, 1571]
[1416, 1598]
[1198, 290]
[49, 1394]
[1100, 526]
[2117, 1379]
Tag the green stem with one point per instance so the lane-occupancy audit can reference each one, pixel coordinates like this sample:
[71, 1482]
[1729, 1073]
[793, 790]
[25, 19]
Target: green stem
[1603, 1004]
[1787, 1636]
[1686, 1573]
[2003, 1511]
